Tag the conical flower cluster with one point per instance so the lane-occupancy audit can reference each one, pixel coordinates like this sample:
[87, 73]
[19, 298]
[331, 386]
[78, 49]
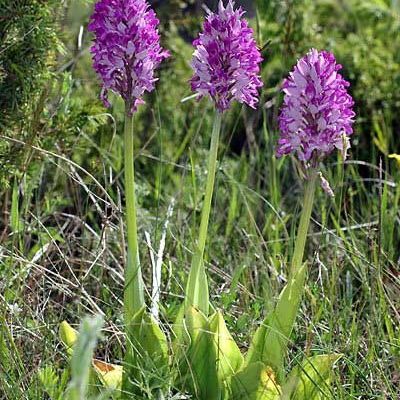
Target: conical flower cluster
[226, 59]
[126, 48]
[317, 113]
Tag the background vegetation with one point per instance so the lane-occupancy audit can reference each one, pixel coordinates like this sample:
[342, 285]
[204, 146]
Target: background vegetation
[61, 230]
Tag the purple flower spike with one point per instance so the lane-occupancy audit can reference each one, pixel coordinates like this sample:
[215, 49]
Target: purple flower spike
[317, 113]
[126, 48]
[226, 59]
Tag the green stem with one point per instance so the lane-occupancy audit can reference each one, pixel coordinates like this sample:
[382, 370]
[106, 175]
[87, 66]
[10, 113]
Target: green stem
[271, 340]
[305, 218]
[133, 292]
[197, 287]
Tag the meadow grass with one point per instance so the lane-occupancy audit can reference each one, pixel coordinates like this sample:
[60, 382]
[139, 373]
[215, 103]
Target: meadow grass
[62, 246]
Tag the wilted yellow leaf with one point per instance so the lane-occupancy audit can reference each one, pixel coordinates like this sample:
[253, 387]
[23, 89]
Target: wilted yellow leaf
[109, 374]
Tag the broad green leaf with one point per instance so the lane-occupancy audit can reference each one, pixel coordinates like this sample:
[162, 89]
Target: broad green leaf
[312, 379]
[178, 329]
[68, 336]
[196, 322]
[180, 335]
[198, 366]
[270, 342]
[197, 294]
[228, 355]
[254, 382]
[147, 361]
[149, 339]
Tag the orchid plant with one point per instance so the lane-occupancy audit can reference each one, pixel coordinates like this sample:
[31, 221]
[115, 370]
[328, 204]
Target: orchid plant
[316, 117]
[226, 68]
[126, 52]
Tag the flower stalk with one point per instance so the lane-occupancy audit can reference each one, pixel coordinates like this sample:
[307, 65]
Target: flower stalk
[226, 67]
[197, 288]
[309, 192]
[133, 291]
